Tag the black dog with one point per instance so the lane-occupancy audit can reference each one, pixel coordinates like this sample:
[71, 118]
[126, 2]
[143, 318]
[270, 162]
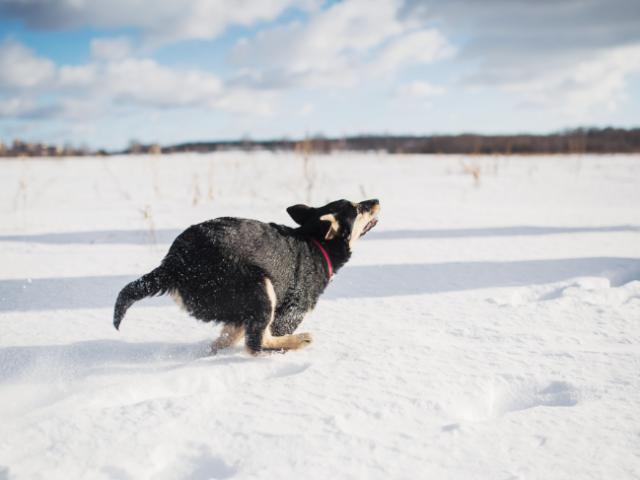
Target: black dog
[258, 279]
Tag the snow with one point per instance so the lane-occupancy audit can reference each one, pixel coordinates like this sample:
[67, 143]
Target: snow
[485, 329]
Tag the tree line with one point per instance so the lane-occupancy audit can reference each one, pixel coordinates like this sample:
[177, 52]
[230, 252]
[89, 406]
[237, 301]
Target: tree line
[605, 140]
[581, 140]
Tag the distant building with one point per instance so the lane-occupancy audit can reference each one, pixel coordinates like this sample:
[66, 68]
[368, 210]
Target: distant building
[21, 148]
[155, 149]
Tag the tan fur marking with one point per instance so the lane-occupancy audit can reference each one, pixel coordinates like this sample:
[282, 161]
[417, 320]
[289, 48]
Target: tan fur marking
[360, 222]
[335, 225]
[284, 342]
[271, 293]
[229, 336]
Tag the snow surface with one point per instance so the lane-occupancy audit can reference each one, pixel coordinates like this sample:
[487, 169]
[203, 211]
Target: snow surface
[484, 329]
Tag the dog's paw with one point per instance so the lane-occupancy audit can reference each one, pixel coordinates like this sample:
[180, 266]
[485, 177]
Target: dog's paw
[254, 353]
[304, 338]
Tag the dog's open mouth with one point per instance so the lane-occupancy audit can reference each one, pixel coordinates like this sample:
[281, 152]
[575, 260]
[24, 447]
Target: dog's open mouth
[372, 223]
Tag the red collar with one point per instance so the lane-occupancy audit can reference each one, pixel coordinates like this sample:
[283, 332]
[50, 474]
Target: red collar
[325, 255]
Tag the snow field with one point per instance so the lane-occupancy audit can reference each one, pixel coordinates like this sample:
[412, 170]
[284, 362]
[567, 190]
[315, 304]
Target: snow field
[483, 330]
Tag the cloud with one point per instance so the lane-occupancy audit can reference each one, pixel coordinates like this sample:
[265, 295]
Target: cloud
[19, 107]
[307, 109]
[246, 102]
[21, 69]
[115, 48]
[420, 47]
[145, 82]
[76, 77]
[342, 45]
[39, 89]
[567, 56]
[160, 21]
[597, 81]
[29, 108]
[419, 89]
[337, 47]
[500, 28]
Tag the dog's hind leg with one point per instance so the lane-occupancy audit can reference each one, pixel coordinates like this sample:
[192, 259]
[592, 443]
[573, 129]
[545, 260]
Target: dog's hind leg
[229, 335]
[258, 331]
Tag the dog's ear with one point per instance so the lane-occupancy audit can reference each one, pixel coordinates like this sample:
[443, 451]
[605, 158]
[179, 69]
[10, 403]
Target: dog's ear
[300, 213]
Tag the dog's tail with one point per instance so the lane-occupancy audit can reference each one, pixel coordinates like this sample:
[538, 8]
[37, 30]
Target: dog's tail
[156, 282]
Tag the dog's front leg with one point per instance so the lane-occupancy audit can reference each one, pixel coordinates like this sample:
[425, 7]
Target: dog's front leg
[286, 342]
[286, 320]
[258, 335]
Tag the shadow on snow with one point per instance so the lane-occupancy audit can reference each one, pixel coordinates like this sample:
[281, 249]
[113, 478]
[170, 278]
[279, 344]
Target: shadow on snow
[166, 235]
[352, 282]
[95, 357]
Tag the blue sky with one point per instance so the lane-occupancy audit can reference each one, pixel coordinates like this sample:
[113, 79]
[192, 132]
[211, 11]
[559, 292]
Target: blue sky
[105, 73]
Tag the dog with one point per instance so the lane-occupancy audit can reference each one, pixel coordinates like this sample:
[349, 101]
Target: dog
[258, 279]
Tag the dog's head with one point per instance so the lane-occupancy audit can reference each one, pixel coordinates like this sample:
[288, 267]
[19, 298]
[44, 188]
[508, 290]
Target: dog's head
[339, 221]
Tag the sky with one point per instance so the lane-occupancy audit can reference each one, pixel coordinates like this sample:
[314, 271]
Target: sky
[104, 73]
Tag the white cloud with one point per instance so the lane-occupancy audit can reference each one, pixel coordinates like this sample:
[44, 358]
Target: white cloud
[338, 47]
[145, 82]
[115, 48]
[246, 102]
[140, 82]
[575, 88]
[20, 68]
[209, 18]
[77, 76]
[420, 47]
[82, 91]
[17, 107]
[307, 109]
[419, 89]
[564, 57]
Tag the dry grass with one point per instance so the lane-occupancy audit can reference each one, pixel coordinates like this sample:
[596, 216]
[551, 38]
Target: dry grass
[305, 148]
[210, 181]
[197, 195]
[473, 170]
[155, 177]
[147, 215]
